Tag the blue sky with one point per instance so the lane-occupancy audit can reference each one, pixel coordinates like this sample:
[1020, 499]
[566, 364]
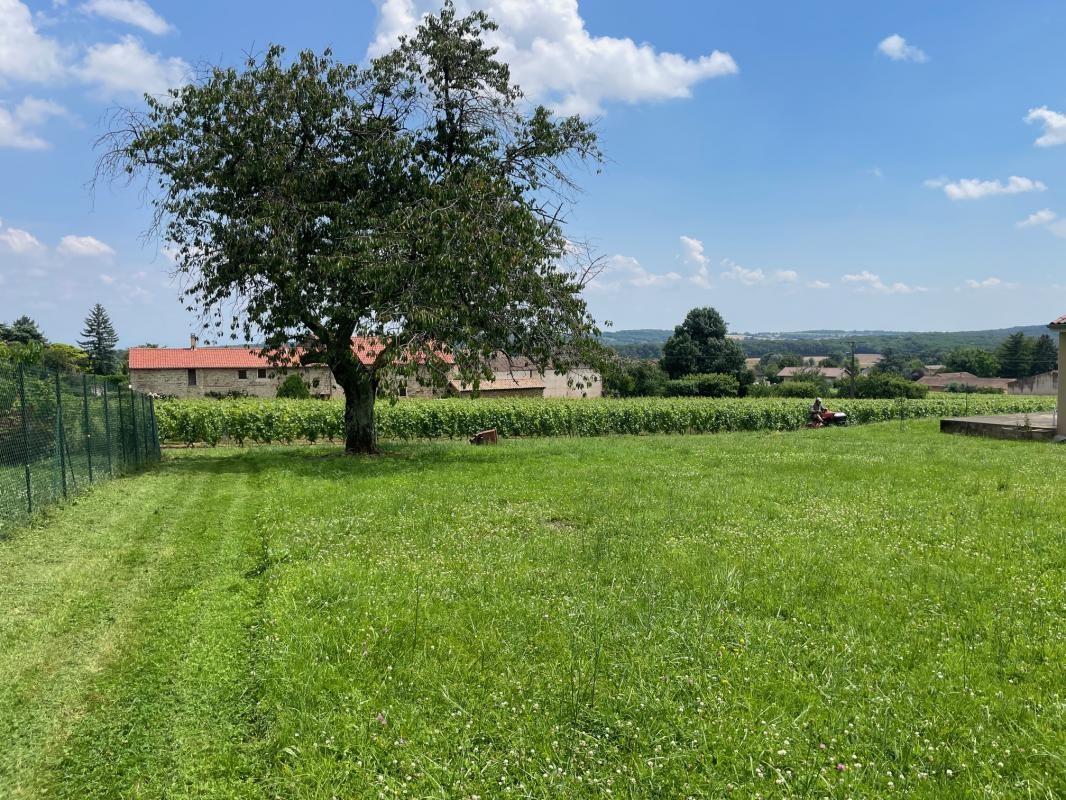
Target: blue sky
[825, 164]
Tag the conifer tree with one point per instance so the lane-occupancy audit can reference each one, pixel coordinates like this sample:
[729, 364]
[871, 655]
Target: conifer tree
[99, 341]
[1045, 355]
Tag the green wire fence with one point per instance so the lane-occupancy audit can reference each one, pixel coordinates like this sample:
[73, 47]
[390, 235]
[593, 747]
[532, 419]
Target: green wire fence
[61, 433]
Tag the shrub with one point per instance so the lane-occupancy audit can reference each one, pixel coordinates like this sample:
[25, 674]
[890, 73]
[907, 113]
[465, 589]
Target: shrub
[294, 388]
[967, 388]
[797, 388]
[711, 384]
[882, 385]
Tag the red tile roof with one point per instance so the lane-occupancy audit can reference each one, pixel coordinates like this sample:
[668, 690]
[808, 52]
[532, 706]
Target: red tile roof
[501, 383]
[365, 348]
[1059, 323]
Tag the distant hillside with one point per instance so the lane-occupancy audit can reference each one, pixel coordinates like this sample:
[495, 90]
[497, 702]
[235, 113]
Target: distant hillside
[930, 346]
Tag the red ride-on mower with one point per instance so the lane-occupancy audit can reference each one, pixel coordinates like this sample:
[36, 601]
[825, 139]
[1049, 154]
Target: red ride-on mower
[824, 418]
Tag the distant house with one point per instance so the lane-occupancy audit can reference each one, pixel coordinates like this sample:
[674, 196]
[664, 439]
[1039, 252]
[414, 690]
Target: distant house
[941, 381]
[799, 373]
[517, 376]
[196, 371]
[206, 371]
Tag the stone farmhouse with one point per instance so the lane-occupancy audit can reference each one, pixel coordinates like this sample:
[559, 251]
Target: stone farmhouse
[196, 371]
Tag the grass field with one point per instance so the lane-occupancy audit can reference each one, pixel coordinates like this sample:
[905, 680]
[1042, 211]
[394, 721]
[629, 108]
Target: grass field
[857, 612]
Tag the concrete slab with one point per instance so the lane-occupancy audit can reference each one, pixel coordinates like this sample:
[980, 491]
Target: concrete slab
[1027, 427]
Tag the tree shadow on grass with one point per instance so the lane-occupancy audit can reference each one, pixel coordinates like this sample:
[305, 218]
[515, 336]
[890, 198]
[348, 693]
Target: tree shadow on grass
[323, 461]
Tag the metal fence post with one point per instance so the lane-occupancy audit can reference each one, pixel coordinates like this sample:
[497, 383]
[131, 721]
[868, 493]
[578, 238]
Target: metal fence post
[155, 430]
[147, 428]
[61, 438]
[25, 438]
[85, 417]
[122, 430]
[107, 433]
[133, 427]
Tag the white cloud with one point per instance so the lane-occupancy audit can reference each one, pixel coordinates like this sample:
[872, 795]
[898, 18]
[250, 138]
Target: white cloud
[627, 271]
[693, 255]
[557, 61]
[24, 54]
[126, 68]
[1046, 219]
[756, 277]
[896, 48]
[133, 12]
[867, 281]
[1054, 126]
[19, 241]
[84, 247]
[1038, 219]
[16, 125]
[107, 279]
[974, 189]
[990, 283]
[819, 285]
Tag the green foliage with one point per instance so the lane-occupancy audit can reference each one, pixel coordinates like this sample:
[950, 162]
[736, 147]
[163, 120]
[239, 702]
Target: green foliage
[60, 357]
[404, 200]
[975, 360]
[699, 346]
[1015, 356]
[893, 362]
[22, 331]
[269, 421]
[623, 378]
[1045, 356]
[885, 385]
[294, 388]
[930, 348]
[966, 388]
[703, 385]
[99, 341]
[801, 388]
[65, 358]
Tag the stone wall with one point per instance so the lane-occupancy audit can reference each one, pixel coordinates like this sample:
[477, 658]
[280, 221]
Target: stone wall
[1046, 383]
[175, 382]
[587, 383]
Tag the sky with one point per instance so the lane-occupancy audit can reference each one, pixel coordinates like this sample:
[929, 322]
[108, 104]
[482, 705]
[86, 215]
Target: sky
[825, 164]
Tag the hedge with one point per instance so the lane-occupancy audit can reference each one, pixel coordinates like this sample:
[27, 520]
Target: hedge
[267, 421]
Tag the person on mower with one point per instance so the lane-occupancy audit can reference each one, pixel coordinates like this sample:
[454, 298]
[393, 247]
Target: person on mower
[817, 410]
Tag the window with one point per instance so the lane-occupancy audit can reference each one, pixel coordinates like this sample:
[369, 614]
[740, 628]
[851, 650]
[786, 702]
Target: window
[242, 374]
[191, 375]
[261, 373]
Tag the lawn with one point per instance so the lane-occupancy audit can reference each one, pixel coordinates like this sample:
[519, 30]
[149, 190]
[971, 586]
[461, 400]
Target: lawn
[856, 612]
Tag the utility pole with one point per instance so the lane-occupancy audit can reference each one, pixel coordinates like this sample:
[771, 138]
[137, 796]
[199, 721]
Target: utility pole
[853, 367]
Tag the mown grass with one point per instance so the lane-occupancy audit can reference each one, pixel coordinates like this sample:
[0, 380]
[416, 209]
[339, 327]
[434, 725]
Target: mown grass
[866, 612]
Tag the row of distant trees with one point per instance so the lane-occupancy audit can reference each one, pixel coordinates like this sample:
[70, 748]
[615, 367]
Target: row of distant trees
[96, 352]
[699, 359]
[1017, 356]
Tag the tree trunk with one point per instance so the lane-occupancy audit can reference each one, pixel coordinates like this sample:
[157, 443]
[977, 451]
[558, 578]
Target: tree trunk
[360, 390]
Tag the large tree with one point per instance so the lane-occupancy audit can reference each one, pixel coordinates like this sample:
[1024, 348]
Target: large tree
[418, 201]
[1015, 355]
[1045, 355]
[99, 341]
[23, 330]
[699, 345]
[975, 360]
